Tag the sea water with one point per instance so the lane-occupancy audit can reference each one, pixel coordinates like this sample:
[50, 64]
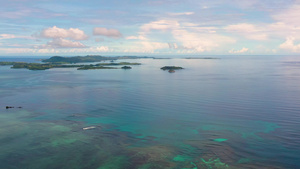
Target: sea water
[231, 112]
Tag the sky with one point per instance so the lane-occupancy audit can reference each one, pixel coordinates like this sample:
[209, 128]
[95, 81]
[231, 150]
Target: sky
[144, 27]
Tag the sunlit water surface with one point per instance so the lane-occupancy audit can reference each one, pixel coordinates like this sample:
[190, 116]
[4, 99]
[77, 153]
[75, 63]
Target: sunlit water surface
[233, 112]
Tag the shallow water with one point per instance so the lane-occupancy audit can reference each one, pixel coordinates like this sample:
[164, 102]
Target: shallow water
[233, 112]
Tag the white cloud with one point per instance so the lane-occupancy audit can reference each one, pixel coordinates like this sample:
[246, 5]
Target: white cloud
[200, 42]
[186, 37]
[140, 37]
[151, 46]
[55, 32]
[75, 50]
[54, 51]
[287, 26]
[160, 25]
[112, 33]
[289, 45]
[91, 50]
[290, 16]
[146, 47]
[249, 31]
[17, 50]
[287, 23]
[12, 36]
[182, 13]
[173, 45]
[281, 30]
[243, 27]
[62, 43]
[243, 50]
[7, 36]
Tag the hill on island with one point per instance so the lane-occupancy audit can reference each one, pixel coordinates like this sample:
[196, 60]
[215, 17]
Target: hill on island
[88, 58]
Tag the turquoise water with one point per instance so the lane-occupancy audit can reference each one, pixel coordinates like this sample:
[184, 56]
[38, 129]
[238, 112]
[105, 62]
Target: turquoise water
[233, 112]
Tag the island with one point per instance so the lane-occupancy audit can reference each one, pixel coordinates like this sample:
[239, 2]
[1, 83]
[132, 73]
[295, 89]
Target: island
[91, 67]
[116, 64]
[38, 66]
[60, 62]
[171, 68]
[88, 58]
[126, 67]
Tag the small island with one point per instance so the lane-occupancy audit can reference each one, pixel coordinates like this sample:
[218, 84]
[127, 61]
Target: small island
[126, 67]
[171, 68]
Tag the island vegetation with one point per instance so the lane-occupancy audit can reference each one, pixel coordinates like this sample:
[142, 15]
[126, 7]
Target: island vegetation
[171, 68]
[88, 58]
[116, 64]
[126, 67]
[39, 66]
[44, 66]
[65, 62]
[93, 67]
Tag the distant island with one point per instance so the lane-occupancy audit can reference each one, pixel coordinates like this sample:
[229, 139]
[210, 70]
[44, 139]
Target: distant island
[126, 67]
[65, 62]
[71, 62]
[88, 58]
[40, 66]
[171, 68]
[201, 58]
[93, 67]
[162, 58]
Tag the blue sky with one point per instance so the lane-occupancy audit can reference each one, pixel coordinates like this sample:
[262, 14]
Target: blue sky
[157, 27]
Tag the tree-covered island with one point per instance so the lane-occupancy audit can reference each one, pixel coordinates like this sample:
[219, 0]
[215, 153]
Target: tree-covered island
[171, 68]
[40, 66]
[64, 62]
[88, 58]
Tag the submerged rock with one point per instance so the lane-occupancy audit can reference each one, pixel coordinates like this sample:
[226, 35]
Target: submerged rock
[11, 107]
[171, 71]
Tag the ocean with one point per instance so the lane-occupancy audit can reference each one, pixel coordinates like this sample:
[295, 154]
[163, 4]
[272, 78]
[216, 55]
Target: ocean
[233, 112]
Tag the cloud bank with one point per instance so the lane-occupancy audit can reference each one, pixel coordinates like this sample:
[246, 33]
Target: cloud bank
[111, 33]
[72, 33]
[243, 50]
[64, 43]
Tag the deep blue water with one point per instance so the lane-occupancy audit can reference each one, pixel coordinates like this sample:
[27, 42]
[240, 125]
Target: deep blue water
[233, 112]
